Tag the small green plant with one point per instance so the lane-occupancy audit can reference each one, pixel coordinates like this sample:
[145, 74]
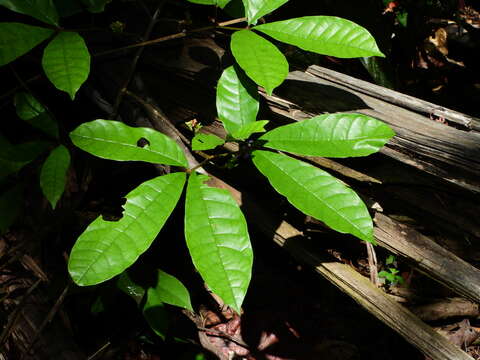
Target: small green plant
[391, 274]
[215, 228]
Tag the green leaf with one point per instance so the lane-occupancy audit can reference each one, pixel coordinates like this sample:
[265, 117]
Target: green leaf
[260, 59]
[116, 141]
[235, 9]
[95, 6]
[206, 141]
[331, 135]
[43, 10]
[247, 130]
[66, 62]
[255, 9]
[107, 248]
[316, 193]
[327, 35]
[156, 315]
[153, 309]
[219, 3]
[129, 287]
[53, 176]
[390, 259]
[218, 241]
[14, 157]
[11, 202]
[381, 70]
[17, 39]
[237, 99]
[30, 110]
[169, 290]
[98, 306]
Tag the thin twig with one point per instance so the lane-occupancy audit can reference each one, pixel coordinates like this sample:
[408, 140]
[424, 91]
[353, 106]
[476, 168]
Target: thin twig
[158, 114]
[145, 8]
[18, 310]
[372, 264]
[47, 319]
[99, 351]
[14, 90]
[133, 65]
[144, 43]
[173, 36]
[29, 89]
[208, 159]
[220, 333]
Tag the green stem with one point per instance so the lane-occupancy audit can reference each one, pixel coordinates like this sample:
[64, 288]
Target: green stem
[207, 159]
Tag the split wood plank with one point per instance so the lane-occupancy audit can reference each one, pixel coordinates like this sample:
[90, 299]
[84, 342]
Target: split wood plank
[441, 150]
[395, 97]
[360, 289]
[356, 286]
[428, 257]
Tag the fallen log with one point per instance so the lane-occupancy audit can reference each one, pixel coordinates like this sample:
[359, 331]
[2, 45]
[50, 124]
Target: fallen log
[428, 257]
[342, 276]
[360, 289]
[443, 151]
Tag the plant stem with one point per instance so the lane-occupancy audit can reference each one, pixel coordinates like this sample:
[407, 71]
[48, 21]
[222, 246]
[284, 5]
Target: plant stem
[207, 159]
[173, 36]
[133, 66]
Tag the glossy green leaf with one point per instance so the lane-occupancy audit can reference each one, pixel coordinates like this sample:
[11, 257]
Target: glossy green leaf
[27, 106]
[316, 193]
[381, 70]
[116, 141]
[260, 59]
[98, 306]
[327, 35]
[106, 248]
[218, 241]
[235, 9]
[129, 287]
[169, 290]
[11, 202]
[43, 10]
[17, 39]
[153, 308]
[66, 62]
[53, 176]
[203, 141]
[95, 6]
[252, 128]
[156, 315]
[237, 99]
[255, 9]
[30, 110]
[331, 135]
[219, 3]
[14, 157]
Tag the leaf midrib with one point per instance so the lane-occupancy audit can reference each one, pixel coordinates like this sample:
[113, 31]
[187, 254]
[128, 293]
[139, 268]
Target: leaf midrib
[217, 250]
[289, 34]
[124, 228]
[315, 195]
[149, 150]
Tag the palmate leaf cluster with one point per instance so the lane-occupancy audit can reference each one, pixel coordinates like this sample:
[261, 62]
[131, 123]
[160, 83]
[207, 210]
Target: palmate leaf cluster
[215, 229]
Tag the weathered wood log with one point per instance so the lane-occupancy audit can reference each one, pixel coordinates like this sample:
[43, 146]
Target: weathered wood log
[446, 308]
[363, 292]
[436, 148]
[345, 278]
[428, 257]
[395, 97]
